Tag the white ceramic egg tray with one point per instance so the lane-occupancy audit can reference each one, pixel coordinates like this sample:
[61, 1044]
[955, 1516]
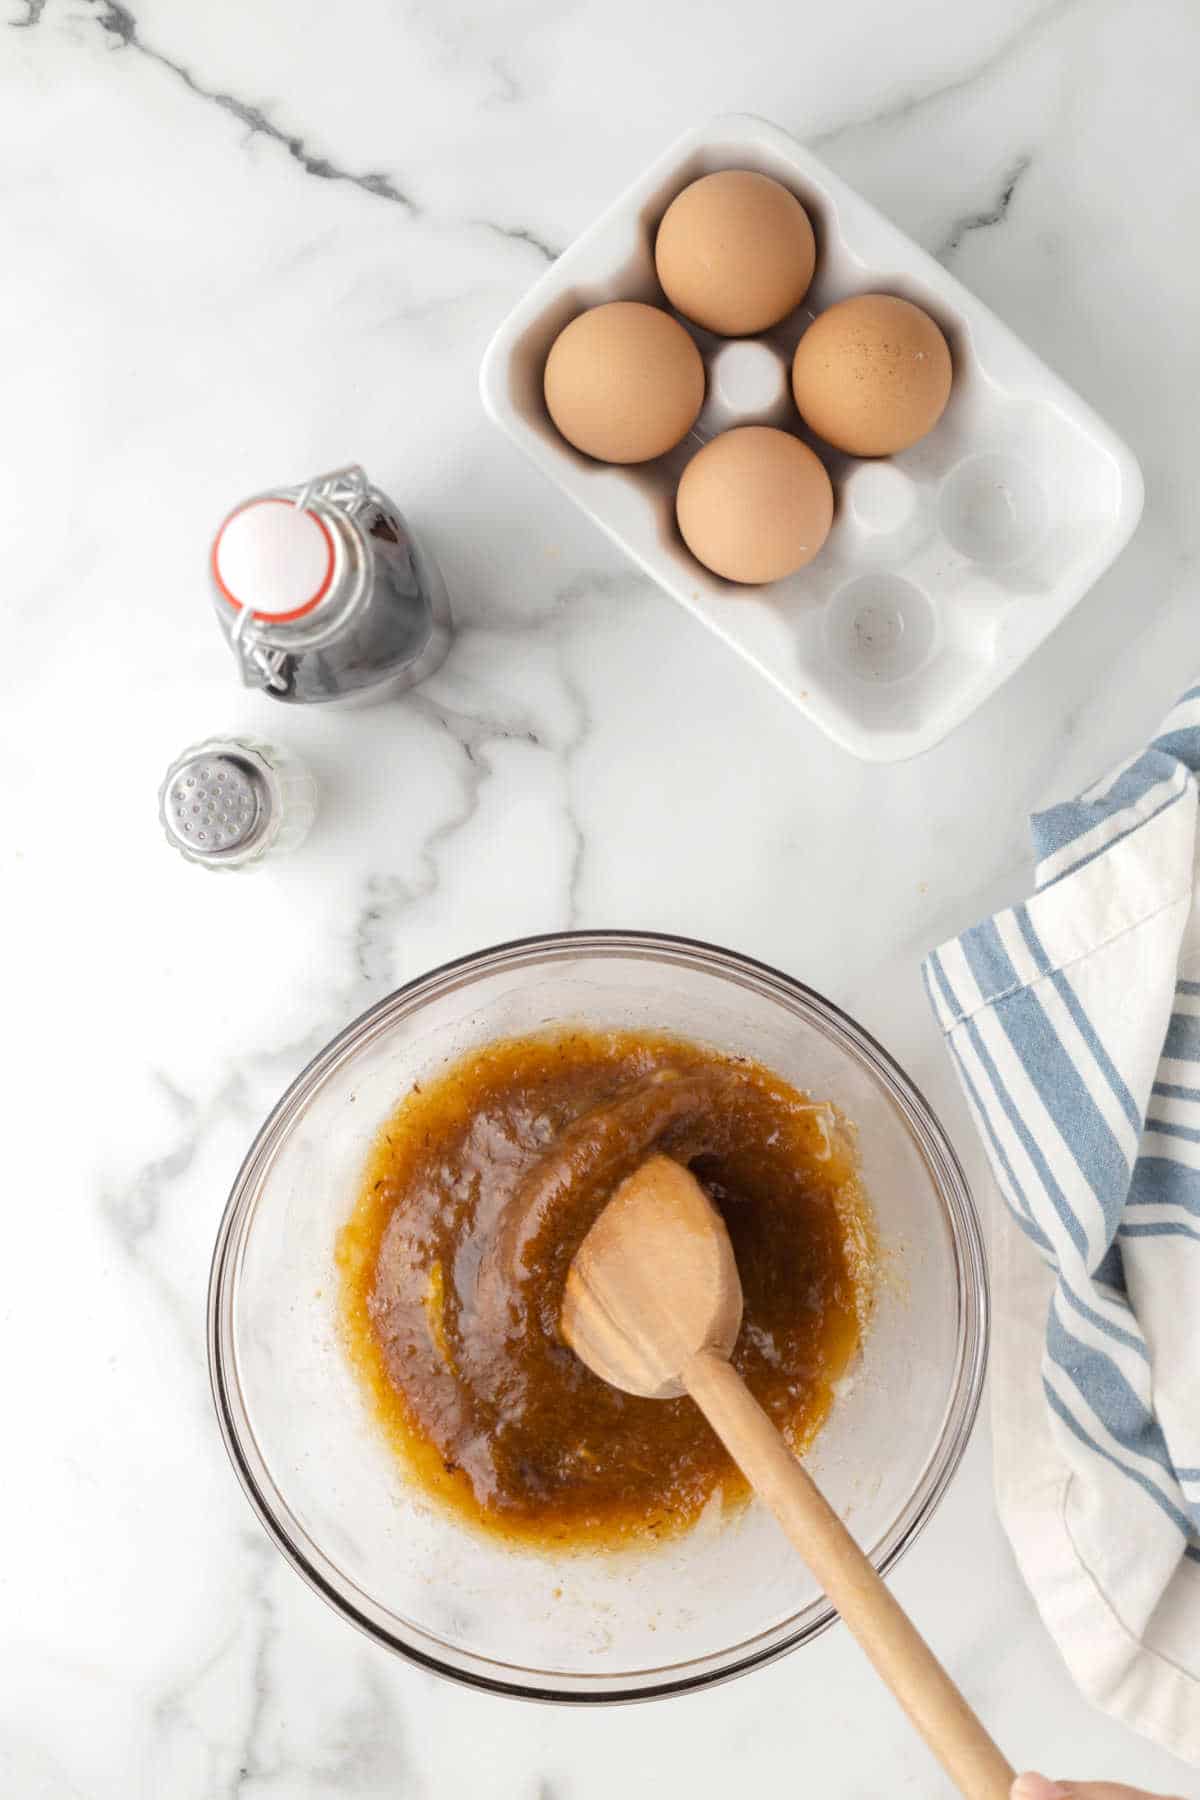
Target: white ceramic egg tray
[947, 565]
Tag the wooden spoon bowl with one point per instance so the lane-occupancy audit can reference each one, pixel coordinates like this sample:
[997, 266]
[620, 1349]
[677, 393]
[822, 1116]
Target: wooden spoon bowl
[653, 1305]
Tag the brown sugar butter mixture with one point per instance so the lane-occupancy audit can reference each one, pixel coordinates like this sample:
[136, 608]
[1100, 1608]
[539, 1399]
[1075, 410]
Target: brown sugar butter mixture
[477, 1194]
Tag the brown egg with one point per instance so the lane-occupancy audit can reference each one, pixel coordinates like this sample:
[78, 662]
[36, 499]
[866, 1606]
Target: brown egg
[735, 252]
[872, 375]
[755, 504]
[624, 382]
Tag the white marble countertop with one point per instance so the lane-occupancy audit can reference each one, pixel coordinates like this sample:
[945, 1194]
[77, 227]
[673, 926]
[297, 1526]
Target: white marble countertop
[242, 244]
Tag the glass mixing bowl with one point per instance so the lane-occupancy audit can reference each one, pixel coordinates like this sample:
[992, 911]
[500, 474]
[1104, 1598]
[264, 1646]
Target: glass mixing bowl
[582, 1626]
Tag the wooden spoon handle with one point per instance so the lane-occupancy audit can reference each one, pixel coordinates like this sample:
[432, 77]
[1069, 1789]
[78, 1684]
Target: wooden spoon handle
[883, 1629]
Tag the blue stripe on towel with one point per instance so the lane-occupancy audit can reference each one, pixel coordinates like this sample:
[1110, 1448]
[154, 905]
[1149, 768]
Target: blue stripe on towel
[1125, 1416]
[1024, 1218]
[1104, 1061]
[1158, 1182]
[1063, 825]
[1134, 783]
[1032, 1149]
[1083, 1024]
[1102, 1322]
[981, 1113]
[1065, 1096]
[1134, 824]
[1183, 744]
[1187, 1134]
[935, 972]
[1183, 1037]
[988, 961]
[1182, 1229]
[1033, 942]
[1135, 1474]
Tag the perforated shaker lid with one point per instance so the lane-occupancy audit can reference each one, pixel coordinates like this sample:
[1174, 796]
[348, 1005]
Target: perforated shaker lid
[215, 801]
[275, 558]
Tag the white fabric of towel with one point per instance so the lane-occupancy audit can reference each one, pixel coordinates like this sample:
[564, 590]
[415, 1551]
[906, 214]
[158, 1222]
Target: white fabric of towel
[1074, 1025]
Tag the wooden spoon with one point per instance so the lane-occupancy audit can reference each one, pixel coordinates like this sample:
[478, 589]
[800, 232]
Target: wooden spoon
[653, 1305]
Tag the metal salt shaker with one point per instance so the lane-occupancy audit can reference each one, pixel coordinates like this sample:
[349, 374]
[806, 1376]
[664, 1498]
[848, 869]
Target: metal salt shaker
[324, 594]
[229, 803]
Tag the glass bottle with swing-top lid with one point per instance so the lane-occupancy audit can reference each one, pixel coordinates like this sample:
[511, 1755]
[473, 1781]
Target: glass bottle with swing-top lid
[324, 594]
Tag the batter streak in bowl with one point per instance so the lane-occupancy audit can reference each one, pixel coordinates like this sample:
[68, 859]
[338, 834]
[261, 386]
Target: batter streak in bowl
[477, 1194]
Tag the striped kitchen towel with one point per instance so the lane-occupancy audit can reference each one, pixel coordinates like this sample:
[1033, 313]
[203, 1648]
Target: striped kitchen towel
[1074, 1024]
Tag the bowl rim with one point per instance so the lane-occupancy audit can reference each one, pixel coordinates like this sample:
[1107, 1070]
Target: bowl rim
[946, 1173]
